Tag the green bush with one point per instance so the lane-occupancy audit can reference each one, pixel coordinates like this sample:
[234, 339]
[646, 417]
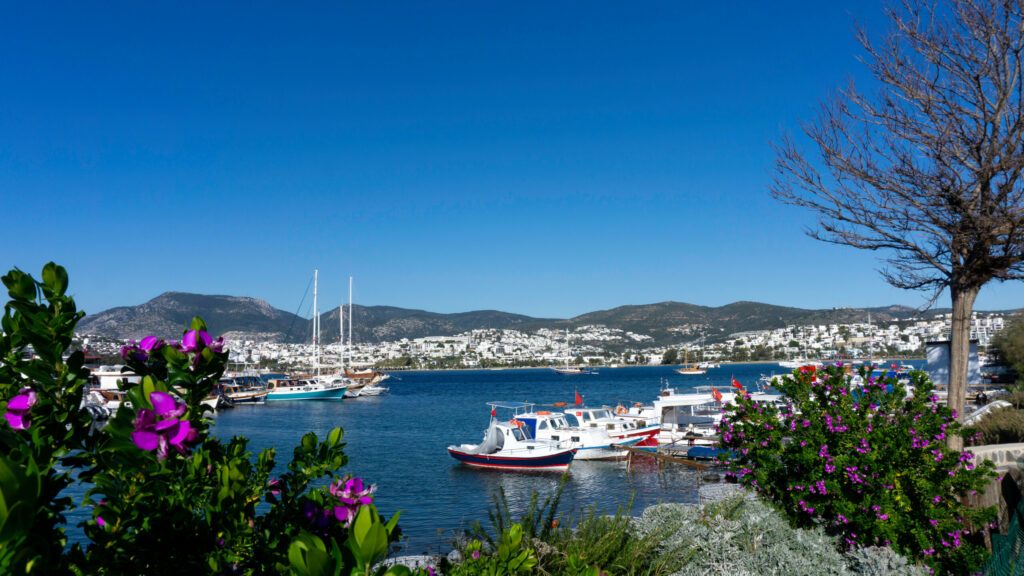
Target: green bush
[869, 464]
[165, 496]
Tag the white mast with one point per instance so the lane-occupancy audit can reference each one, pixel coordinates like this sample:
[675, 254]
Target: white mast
[316, 327]
[350, 320]
[341, 329]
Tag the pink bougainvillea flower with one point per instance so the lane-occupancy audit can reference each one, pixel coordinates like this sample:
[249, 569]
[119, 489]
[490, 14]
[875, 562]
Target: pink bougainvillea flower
[151, 343]
[351, 493]
[19, 409]
[195, 340]
[162, 428]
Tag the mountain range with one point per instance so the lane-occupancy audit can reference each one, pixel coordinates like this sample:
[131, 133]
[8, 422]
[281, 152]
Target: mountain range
[666, 322]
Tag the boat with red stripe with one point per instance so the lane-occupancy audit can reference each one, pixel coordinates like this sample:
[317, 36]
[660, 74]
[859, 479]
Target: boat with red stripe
[509, 445]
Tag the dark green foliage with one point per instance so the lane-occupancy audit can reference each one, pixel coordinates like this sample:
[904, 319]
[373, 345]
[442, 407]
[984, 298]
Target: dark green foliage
[869, 464]
[186, 504]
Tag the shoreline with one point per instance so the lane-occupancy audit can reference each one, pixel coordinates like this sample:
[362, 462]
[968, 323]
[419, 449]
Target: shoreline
[605, 367]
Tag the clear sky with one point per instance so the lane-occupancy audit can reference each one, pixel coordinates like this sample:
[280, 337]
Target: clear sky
[545, 158]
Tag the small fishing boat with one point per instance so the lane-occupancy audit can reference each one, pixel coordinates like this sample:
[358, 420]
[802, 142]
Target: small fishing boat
[509, 445]
[309, 389]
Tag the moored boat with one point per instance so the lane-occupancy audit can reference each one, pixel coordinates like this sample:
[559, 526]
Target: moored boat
[309, 389]
[508, 445]
[243, 389]
[591, 442]
[619, 425]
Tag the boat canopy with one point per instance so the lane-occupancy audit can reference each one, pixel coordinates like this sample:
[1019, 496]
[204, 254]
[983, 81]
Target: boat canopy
[493, 441]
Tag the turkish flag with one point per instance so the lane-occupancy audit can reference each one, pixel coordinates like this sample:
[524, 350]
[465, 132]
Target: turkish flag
[579, 399]
[736, 384]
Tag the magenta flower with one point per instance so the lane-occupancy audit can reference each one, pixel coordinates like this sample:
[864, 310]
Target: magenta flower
[475, 555]
[162, 428]
[195, 340]
[151, 343]
[19, 408]
[351, 493]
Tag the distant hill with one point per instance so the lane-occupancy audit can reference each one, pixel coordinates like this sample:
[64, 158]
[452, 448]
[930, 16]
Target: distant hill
[169, 314]
[666, 322]
[379, 323]
[671, 322]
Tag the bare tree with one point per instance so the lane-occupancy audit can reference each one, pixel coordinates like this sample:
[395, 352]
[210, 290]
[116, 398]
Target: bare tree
[929, 168]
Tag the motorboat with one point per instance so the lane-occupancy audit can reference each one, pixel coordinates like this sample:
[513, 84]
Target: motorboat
[509, 445]
[306, 389]
[373, 390]
[243, 389]
[571, 370]
[618, 424]
[108, 377]
[692, 417]
[591, 442]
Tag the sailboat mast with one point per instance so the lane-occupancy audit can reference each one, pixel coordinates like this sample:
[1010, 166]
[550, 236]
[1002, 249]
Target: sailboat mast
[349, 319]
[316, 326]
[341, 331]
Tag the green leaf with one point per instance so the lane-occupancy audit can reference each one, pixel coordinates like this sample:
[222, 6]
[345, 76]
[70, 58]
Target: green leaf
[197, 324]
[55, 278]
[334, 436]
[20, 285]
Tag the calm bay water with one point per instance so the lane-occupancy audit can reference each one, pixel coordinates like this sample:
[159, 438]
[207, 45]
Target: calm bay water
[399, 442]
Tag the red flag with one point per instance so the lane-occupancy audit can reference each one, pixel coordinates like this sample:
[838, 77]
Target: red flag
[716, 394]
[579, 399]
[736, 384]
[494, 412]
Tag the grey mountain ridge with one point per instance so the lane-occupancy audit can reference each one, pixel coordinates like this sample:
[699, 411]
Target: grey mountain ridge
[666, 322]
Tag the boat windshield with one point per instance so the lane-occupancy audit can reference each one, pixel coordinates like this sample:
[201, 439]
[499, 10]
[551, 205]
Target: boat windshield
[600, 414]
[573, 420]
[520, 434]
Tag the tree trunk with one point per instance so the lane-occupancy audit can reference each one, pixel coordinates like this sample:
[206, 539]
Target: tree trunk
[959, 355]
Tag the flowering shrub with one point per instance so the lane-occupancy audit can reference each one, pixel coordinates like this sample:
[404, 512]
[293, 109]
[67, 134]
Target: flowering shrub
[166, 497]
[869, 464]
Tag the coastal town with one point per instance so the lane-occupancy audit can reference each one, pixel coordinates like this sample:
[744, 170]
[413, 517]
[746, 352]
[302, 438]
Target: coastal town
[600, 345]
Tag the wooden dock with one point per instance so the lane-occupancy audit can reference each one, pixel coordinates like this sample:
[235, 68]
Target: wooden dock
[663, 457]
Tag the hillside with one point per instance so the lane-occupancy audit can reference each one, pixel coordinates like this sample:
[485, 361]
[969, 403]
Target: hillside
[667, 322]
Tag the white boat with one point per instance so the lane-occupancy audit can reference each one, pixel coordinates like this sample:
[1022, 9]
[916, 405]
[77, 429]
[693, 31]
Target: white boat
[108, 377]
[373, 390]
[508, 445]
[313, 388]
[691, 417]
[571, 370]
[688, 369]
[617, 424]
[591, 442]
[308, 389]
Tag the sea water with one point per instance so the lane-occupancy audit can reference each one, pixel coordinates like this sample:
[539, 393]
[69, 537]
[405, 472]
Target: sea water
[399, 442]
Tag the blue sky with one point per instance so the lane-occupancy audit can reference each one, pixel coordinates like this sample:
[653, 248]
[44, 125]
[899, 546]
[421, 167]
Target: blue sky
[542, 158]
